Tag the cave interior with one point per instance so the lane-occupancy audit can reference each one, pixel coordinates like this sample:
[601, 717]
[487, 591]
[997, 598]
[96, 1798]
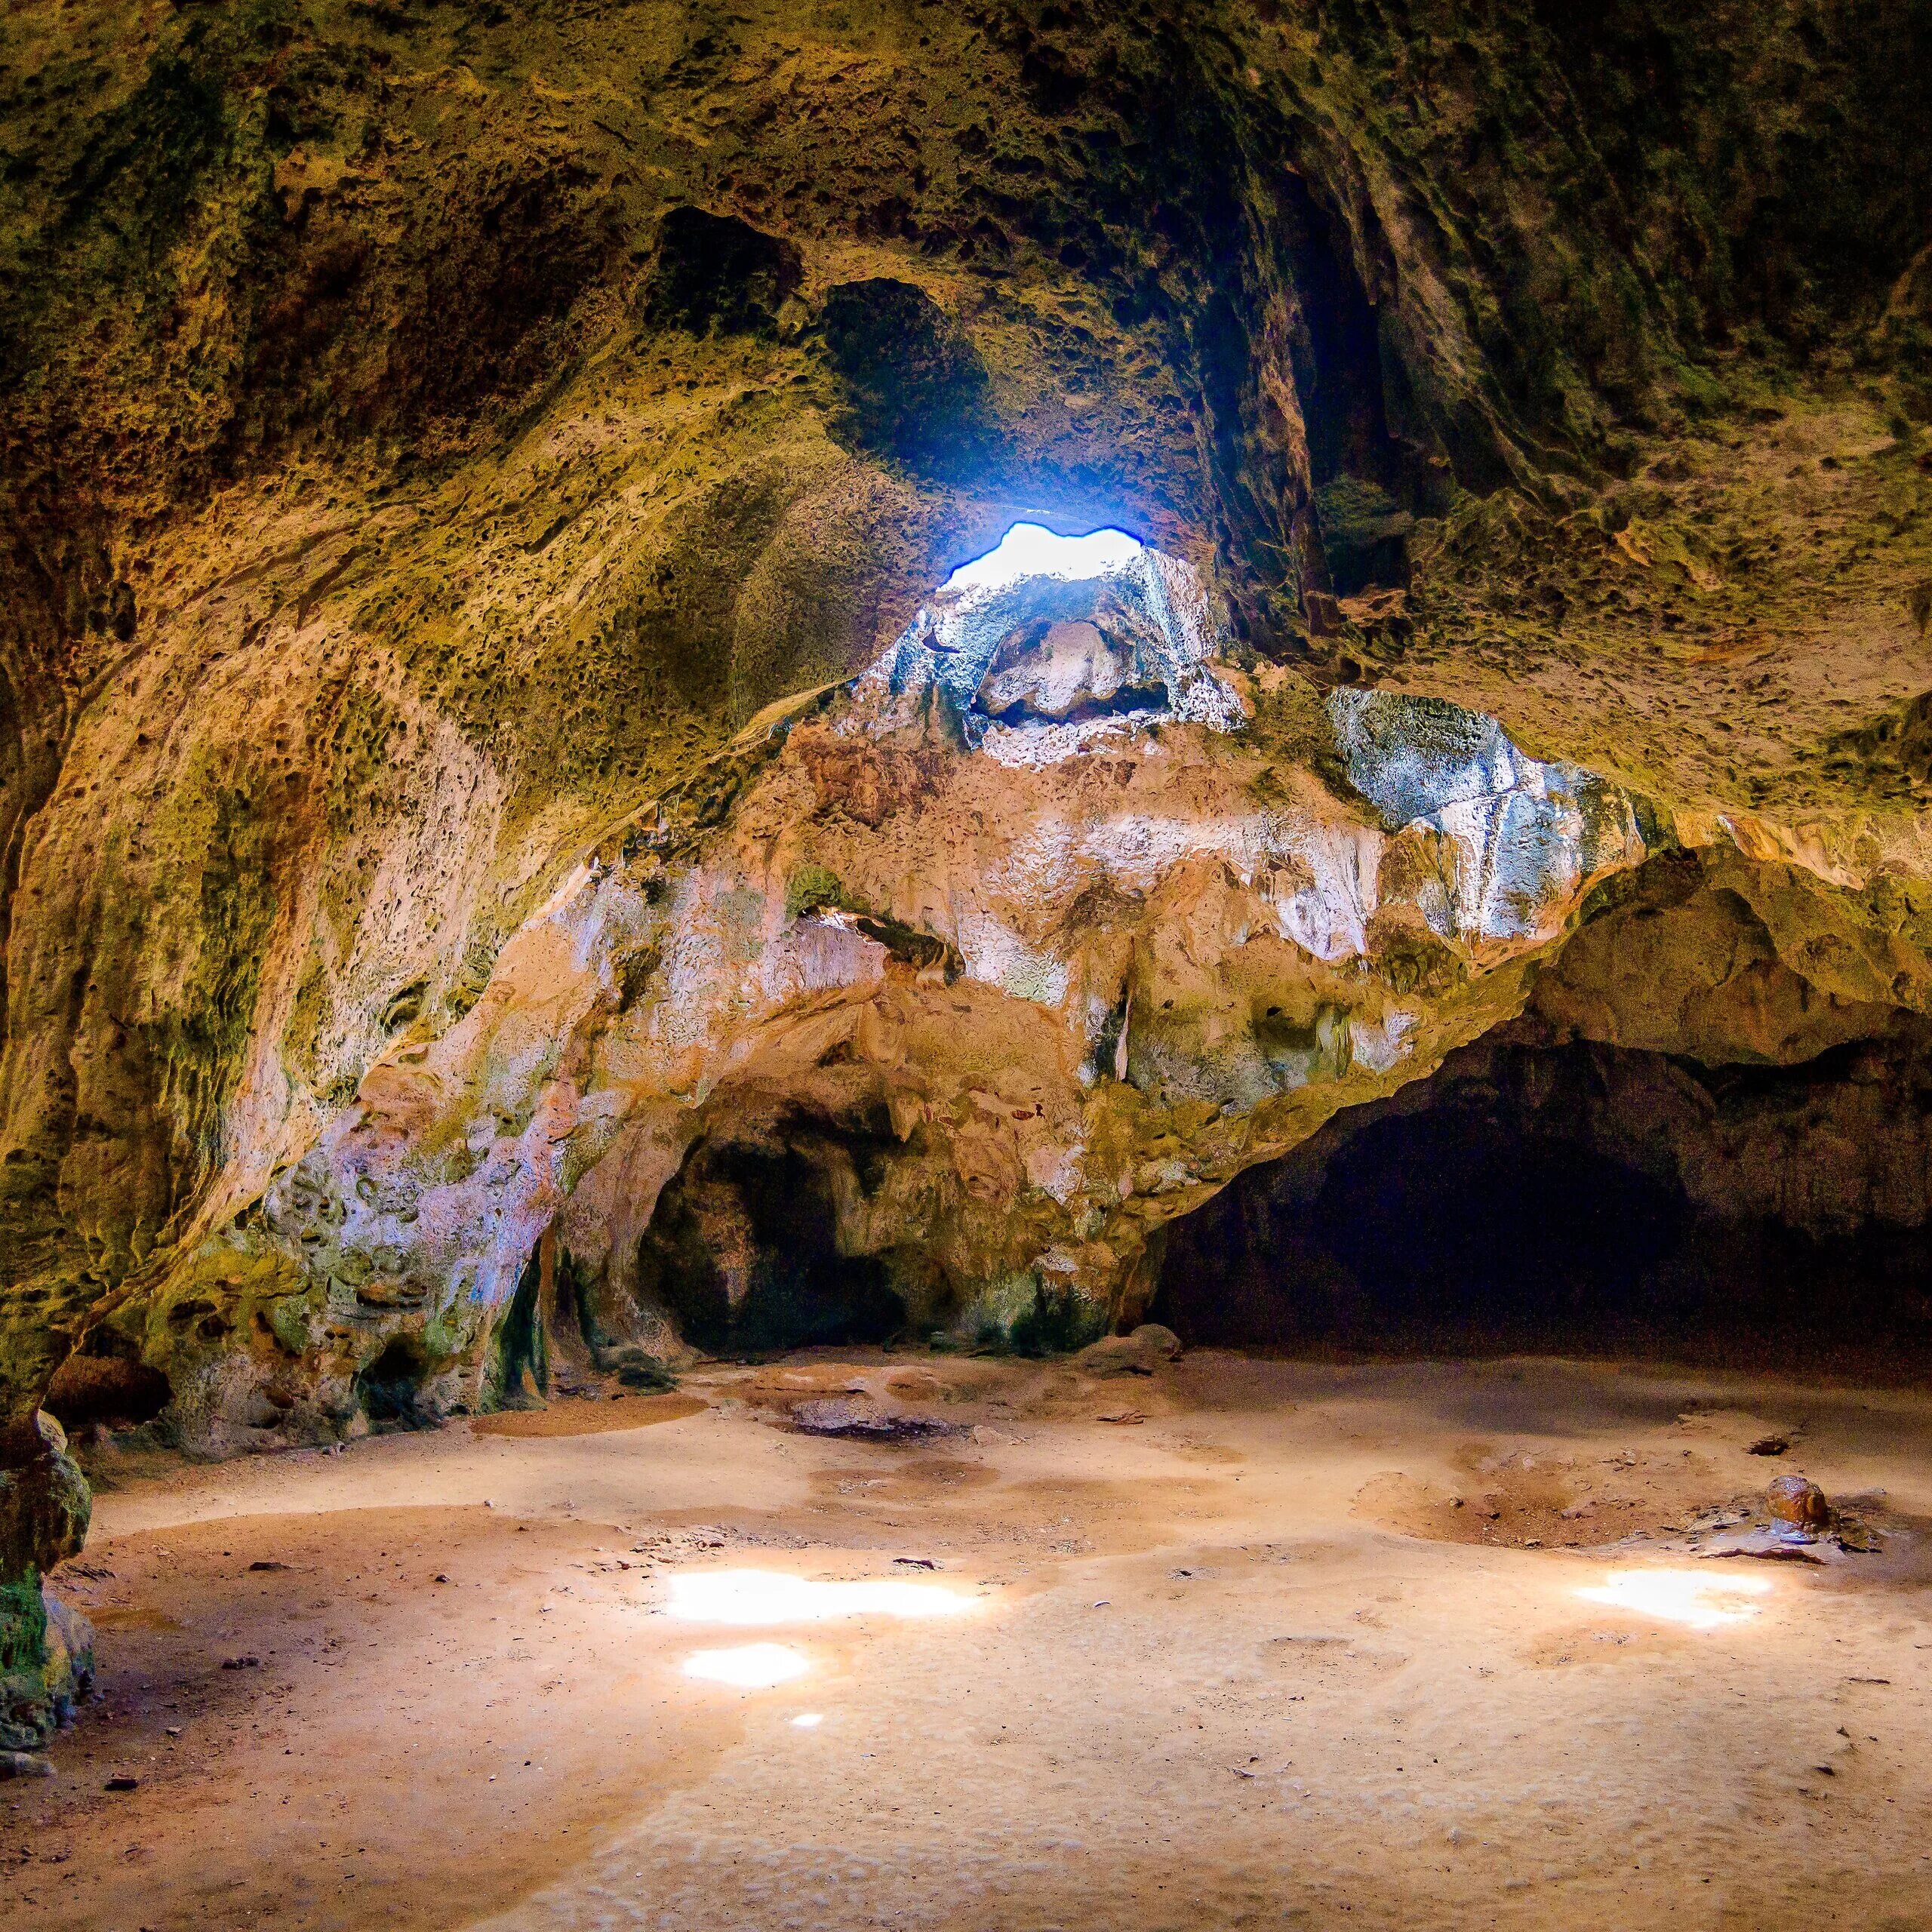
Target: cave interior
[965, 966]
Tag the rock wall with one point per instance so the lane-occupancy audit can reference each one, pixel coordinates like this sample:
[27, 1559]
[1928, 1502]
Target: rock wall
[1061, 936]
[433, 437]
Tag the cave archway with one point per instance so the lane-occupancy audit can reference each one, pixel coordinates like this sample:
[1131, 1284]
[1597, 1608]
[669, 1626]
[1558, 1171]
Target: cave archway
[104, 1382]
[390, 1387]
[743, 1252]
[1581, 1198]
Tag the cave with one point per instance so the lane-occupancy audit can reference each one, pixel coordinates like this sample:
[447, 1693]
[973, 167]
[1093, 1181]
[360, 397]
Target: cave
[743, 1253]
[389, 1388]
[1366, 479]
[1577, 1199]
[965, 967]
[101, 1387]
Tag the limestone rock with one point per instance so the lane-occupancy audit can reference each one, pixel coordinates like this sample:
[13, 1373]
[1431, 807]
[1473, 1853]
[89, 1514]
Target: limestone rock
[46, 1648]
[1797, 1504]
[1140, 1352]
[44, 1504]
[47, 1665]
[868, 1419]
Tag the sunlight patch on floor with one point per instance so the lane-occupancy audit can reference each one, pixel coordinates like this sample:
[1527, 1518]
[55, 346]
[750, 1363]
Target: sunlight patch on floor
[751, 1597]
[1690, 1597]
[747, 1667]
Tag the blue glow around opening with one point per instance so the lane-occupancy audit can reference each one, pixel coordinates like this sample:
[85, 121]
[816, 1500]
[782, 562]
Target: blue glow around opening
[1031, 549]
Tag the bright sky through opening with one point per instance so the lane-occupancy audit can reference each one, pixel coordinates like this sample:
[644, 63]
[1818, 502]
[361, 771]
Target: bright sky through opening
[1030, 549]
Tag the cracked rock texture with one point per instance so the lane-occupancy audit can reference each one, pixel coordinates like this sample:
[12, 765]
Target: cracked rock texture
[511, 845]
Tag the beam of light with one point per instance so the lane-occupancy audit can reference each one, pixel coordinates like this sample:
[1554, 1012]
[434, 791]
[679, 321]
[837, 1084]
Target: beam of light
[1692, 1597]
[747, 1667]
[1031, 549]
[748, 1597]
[809, 1720]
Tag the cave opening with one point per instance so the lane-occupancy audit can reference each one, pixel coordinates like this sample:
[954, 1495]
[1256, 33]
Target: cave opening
[519, 1349]
[1366, 479]
[743, 1251]
[389, 1388]
[103, 1384]
[1579, 1199]
[1031, 550]
[1343, 402]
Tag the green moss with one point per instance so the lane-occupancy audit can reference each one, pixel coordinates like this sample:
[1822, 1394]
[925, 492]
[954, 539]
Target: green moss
[810, 888]
[23, 1625]
[239, 1284]
[291, 1321]
[1021, 1314]
[1060, 1321]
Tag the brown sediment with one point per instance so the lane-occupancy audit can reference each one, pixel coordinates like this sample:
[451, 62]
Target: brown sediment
[1214, 1632]
[587, 1418]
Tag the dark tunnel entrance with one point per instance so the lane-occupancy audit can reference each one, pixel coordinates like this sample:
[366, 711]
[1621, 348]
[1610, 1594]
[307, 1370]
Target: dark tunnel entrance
[1583, 1199]
[743, 1252]
[389, 1388]
[103, 1384]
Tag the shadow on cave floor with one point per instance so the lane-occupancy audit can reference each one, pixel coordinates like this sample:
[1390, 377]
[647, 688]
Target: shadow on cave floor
[1579, 1201]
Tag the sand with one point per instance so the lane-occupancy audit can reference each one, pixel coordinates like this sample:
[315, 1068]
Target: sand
[1281, 1654]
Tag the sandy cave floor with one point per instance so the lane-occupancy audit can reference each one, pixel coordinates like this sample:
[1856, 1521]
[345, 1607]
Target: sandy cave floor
[1276, 1653]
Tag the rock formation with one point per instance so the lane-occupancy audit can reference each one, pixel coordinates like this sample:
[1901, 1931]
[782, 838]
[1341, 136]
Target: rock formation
[520, 835]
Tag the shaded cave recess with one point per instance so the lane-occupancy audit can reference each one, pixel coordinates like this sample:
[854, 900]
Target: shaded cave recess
[1576, 1198]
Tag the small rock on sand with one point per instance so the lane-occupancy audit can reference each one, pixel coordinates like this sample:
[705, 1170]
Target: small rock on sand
[1797, 1503]
[1140, 1353]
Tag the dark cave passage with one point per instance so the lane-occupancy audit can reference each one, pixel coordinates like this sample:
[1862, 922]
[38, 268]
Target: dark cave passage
[102, 1383]
[1586, 1200]
[519, 1348]
[389, 1388]
[742, 1252]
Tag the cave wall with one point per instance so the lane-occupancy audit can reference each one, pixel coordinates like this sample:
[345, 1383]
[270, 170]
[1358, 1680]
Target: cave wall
[1066, 968]
[430, 434]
